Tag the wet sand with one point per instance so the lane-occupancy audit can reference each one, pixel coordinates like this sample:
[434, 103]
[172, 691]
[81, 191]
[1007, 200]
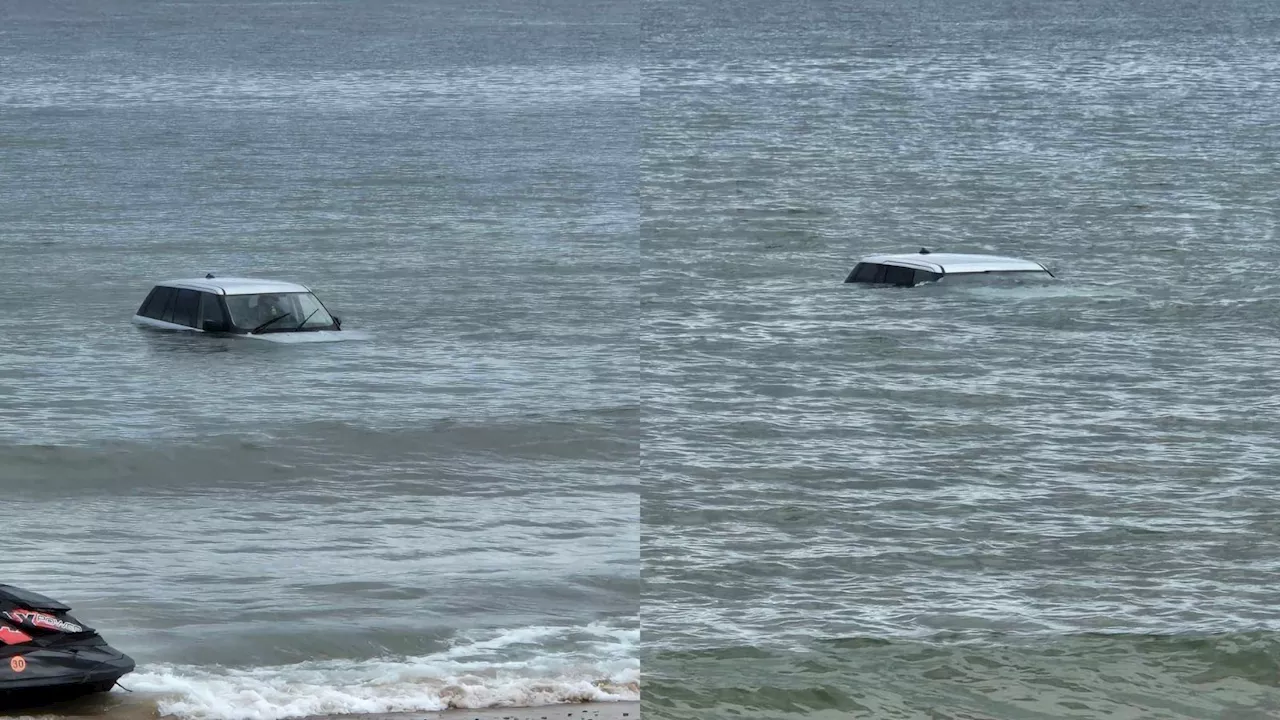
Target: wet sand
[590, 711]
[576, 711]
[139, 708]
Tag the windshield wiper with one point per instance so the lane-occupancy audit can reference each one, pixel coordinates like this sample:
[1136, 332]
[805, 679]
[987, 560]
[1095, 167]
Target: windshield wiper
[305, 319]
[264, 325]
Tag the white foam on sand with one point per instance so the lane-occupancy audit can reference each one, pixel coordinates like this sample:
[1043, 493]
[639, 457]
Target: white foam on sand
[473, 675]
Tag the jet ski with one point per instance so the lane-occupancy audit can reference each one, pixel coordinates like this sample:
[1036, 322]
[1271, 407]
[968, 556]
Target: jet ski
[48, 656]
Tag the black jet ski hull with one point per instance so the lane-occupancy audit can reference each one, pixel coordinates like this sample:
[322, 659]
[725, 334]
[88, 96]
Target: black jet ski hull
[53, 675]
[59, 659]
[32, 698]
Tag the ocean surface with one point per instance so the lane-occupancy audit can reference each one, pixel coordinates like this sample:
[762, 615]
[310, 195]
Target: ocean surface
[593, 254]
[443, 512]
[995, 503]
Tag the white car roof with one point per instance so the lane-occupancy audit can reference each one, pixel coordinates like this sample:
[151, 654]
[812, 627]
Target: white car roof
[236, 286]
[956, 263]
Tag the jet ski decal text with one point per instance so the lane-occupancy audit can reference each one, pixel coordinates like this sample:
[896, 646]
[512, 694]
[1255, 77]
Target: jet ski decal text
[41, 620]
[12, 636]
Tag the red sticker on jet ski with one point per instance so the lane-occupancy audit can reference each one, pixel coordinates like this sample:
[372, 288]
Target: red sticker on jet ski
[17, 663]
[41, 620]
[13, 636]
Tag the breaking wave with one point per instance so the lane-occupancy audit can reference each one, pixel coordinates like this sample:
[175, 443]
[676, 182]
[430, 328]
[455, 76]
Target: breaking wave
[527, 667]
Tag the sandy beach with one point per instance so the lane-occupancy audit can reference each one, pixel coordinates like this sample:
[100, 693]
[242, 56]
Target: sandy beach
[577, 711]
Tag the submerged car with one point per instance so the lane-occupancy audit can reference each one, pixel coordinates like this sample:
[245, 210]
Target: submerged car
[909, 269]
[48, 656]
[267, 309]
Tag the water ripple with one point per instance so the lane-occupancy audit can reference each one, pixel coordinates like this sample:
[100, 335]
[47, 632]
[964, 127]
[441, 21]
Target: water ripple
[951, 462]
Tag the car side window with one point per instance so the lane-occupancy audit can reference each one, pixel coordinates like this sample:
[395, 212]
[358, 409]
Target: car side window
[895, 275]
[212, 310]
[185, 306]
[160, 304]
[924, 276]
[868, 273]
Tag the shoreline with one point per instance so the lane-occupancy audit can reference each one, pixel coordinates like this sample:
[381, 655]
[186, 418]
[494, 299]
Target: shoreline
[621, 710]
[629, 710]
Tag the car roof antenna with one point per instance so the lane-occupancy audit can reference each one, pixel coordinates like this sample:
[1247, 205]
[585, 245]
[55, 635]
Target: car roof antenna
[924, 251]
[208, 276]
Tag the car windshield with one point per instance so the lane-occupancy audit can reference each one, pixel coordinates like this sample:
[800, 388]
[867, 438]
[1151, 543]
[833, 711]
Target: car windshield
[252, 311]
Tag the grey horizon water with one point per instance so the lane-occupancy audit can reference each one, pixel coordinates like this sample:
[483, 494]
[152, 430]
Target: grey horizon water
[993, 502]
[443, 513]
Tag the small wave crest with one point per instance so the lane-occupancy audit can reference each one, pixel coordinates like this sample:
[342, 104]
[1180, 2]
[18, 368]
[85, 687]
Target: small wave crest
[516, 668]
